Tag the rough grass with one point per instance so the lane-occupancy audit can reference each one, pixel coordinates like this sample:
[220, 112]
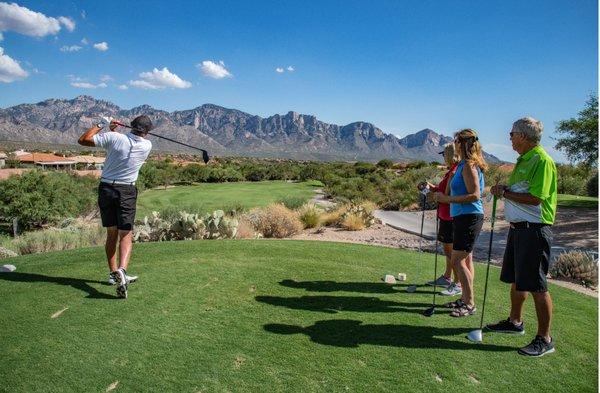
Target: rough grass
[207, 197]
[565, 200]
[269, 315]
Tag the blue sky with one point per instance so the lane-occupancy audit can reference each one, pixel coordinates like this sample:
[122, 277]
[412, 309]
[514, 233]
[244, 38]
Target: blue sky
[402, 65]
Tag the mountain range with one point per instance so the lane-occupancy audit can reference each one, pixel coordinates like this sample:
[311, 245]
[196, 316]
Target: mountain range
[223, 131]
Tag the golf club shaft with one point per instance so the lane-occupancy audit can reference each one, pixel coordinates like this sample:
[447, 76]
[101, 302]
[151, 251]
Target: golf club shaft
[422, 223]
[487, 273]
[165, 138]
[437, 220]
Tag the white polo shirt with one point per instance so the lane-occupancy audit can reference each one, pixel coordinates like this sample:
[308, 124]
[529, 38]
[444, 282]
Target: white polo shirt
[125, 155]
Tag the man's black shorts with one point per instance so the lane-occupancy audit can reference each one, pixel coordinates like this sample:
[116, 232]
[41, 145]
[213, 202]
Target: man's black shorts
[526, 258]
[117, 205]
[445, 231]
[466, 228]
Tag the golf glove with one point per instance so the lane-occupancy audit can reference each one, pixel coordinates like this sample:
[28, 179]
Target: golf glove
[104, 122]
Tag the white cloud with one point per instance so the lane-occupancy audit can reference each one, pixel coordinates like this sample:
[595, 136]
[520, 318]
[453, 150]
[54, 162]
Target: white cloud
[122, 87]
[72, 48]
[67, 22]
[159, 79]
[290, 69]
[87, 85]
[22, 20]
[83, 14]
[214, 70]
[279, 70]
[106, 78]
[84, 41]
[101, 46]
[10, 70]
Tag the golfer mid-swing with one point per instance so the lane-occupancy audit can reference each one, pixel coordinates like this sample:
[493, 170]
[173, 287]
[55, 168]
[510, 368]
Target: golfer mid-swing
[117, 193]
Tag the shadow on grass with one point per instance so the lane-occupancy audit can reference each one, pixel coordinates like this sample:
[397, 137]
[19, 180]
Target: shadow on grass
[334, 304]
[351, 334]
[82, 285]
[361, 287]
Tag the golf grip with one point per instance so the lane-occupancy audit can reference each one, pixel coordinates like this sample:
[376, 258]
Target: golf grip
[487, 273]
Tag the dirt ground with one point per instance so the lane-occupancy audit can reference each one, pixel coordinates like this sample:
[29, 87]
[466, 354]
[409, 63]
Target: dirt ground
[574, 228]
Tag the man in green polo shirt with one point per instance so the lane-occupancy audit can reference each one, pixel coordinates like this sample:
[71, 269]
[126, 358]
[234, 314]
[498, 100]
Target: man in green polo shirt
[530, 207]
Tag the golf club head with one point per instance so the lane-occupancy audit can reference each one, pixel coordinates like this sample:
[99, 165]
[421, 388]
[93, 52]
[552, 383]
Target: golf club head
[429, 312]
[411, 288]
[475, 336]
[205, 156]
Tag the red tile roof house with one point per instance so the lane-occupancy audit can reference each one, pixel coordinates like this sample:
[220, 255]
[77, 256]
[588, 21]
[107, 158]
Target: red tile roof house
[46, 160]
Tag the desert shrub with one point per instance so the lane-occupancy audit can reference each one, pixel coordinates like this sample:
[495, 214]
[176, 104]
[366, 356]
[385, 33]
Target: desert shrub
[310, 215]
[592, 186]
[385, 163]
[55, 239]
[275, 220]
[577, 266]
[39, 198]
[353, 222]
[292, 202]
[573, 179]
[246, 229]
[7, 253]
[363, 211]
[334, 217]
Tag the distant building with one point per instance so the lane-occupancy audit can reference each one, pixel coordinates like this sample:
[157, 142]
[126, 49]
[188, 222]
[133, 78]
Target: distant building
[46, 160]
[90, 162]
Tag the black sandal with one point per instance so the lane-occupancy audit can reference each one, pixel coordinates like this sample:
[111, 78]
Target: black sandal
[455, 304]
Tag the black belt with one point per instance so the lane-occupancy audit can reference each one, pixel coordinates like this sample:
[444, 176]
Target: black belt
[525, 225]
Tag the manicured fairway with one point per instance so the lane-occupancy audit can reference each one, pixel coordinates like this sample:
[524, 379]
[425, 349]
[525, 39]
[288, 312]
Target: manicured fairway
[270, 316]
[212, 196]
[566, 200]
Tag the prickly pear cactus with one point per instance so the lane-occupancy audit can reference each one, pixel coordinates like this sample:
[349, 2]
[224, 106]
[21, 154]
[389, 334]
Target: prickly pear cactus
[187, 227]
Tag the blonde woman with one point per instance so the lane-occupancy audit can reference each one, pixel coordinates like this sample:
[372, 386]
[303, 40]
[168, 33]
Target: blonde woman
[444, 235]
[466, 209]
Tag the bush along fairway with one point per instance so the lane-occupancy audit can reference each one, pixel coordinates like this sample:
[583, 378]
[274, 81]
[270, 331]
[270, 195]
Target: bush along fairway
[271, 315]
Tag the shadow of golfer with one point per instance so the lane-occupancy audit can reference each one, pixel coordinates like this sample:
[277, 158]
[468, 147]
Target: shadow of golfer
[335, 304]
[361, 287]
[351, 334]
[82, 285]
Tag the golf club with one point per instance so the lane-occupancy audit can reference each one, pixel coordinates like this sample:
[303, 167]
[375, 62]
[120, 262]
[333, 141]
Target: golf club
[477, 335]
[431, 310]
[424, 193]
[205, 156]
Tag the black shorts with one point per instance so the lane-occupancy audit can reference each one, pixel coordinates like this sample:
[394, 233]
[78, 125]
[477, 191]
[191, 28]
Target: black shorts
[526, 258]
[466, 228]
[445, 231]
[117, 205]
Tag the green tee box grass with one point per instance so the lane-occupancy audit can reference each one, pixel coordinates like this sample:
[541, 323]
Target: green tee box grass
[271, 315]
[212, 196]
[566, 200]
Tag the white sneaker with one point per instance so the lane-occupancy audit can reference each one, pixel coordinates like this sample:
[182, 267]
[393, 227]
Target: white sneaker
[112, 280]
[453, 290]
[121, 283]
